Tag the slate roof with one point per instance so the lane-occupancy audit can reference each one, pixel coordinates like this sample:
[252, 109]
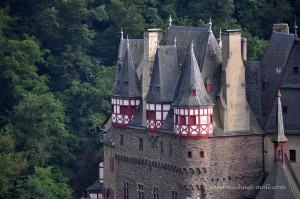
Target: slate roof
[184, 35]
[136, 49]
[97, 186]
[253, 82]
[276, 56]
[127, 83]
[164, 75]
[277, 177]
[279, 134]
[192, 79]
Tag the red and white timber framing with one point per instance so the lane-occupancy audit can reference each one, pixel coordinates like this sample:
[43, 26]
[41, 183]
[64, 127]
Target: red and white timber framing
[123, 110]
[193, 121]
[156, 115]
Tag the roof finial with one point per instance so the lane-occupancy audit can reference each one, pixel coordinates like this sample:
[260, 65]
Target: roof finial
[170, 22]
[209, 29]
[295, 28]
[220, 39]
[192, 46]
[175, 42]
[122, 34]
[127, 42]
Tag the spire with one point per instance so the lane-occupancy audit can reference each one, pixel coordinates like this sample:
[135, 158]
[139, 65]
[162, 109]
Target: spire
[175, 42]
[210, 24]
[279, 134]
[121, 34]
[170, 22]
[295, 29]
[127, 42]
[127, 80]
[220, 38]
[192, 80]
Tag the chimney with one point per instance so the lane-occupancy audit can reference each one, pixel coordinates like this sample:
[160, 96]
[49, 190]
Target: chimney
[235, 114]
[151, 37]
[281, 27]
[244, 49]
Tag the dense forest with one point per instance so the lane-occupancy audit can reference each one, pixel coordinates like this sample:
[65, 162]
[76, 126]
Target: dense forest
[56, 72]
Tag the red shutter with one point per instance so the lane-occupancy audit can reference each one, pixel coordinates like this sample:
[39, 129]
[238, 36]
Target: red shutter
[103, 193]
[182, 120]
[192, 120]
[111, 195]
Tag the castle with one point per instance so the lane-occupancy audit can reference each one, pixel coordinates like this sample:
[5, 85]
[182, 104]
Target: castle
[192, 118]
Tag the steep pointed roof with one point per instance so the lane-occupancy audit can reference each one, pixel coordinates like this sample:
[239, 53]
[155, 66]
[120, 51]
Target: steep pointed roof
[277, 178]
[164, 75]
[127, 83]
[192, 79]
[276, 56]
[279, 134]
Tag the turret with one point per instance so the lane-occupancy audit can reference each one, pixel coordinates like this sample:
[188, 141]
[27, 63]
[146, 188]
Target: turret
[163, 79]
[126, 95]
[193, 108]
[279, 138]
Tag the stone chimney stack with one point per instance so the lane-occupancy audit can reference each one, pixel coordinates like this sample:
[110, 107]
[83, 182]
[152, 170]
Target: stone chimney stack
[235, 111]
[244, 49]
[151, 39]
[282, 27]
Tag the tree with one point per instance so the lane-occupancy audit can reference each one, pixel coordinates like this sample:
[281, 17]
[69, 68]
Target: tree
[42, 184]
[12, 165]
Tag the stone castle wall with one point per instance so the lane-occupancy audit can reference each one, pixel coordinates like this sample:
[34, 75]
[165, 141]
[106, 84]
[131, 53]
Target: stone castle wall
[228, 161]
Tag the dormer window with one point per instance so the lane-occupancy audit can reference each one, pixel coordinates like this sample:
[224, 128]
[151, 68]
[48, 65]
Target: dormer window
[193, 92]
[296, 70]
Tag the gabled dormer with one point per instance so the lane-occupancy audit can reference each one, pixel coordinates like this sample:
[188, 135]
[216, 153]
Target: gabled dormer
[161, 89]
[193, 108]
[126, 95]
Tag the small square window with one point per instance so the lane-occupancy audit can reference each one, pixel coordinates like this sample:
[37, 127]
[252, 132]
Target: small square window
[284, 109]
[201, 154]
[296, 70]
[189, 154]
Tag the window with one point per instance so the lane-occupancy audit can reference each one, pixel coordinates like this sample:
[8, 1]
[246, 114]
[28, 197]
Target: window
[192, 120]
[284, 109]
[183, 120]
[141, 144]
[151, 115]
[155, 193]
[296, 70]
[124, 110]
[263, 86]
[174, 195]
[161, 148]
[111, 164]
[193, 92]
[140, 191]
[201, 154]
[170, 149]
[125, 190]
[121, 140]
[189, 154]
[292, 155]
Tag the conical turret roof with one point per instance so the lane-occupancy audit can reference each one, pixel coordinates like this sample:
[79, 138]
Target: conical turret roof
[164, 75]
[279, 134]
[127, 83]
[192, 80]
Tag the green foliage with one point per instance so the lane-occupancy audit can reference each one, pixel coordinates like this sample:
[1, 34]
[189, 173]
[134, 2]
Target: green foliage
[12, 164]
[43, 185]
[38, 121]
